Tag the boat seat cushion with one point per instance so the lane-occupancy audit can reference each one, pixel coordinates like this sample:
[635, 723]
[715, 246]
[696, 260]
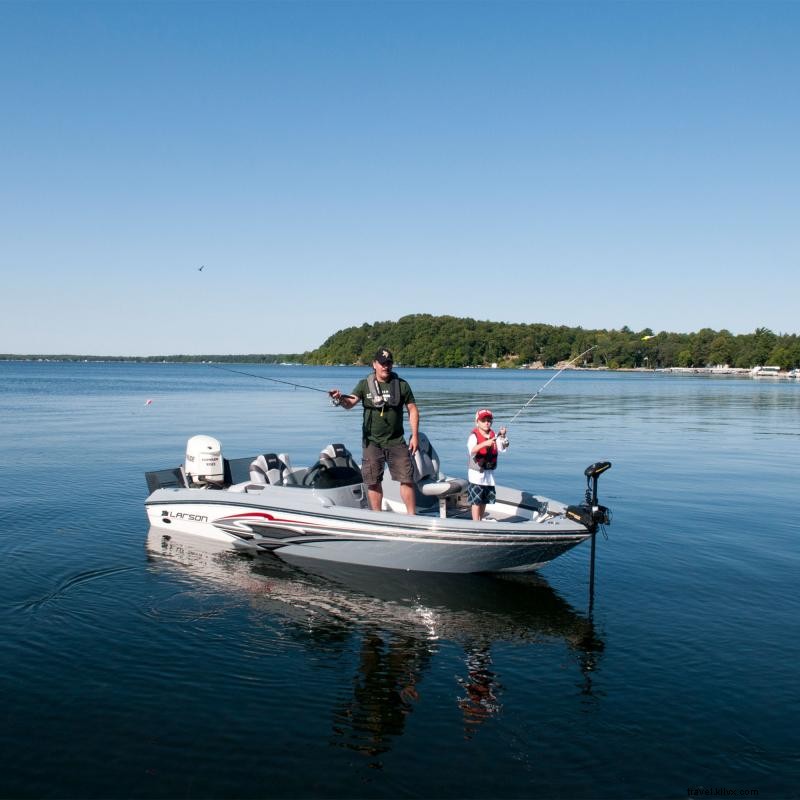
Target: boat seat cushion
[268, 469]
[430, 482]
[426, 461]
[442, 488]
[336, 467]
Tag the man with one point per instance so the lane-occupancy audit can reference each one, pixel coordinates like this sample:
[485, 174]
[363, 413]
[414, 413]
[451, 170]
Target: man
[383, 395]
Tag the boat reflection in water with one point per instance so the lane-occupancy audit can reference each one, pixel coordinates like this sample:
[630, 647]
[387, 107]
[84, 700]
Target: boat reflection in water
[400, 621]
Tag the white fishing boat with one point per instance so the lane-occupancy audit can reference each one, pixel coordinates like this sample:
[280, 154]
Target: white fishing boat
[769, 371]
[321, 512]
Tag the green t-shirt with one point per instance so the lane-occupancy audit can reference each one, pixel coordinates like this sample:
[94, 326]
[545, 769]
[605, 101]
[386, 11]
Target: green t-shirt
[383, 426]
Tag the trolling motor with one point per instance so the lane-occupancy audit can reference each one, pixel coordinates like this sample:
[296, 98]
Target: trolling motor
[590, 513]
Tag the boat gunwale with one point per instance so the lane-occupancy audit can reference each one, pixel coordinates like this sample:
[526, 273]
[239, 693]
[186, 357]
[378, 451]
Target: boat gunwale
[395, 527]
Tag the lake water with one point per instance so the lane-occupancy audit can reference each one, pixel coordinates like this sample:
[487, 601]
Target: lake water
[131, 669]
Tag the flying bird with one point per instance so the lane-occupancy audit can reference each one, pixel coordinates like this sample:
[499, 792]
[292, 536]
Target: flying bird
[645, 338]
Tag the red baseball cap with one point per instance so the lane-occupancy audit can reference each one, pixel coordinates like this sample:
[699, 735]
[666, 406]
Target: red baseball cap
[484, 413]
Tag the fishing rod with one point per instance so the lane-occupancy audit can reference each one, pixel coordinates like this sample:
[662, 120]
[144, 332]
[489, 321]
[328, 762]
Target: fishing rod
[569, 363]
[266, 378]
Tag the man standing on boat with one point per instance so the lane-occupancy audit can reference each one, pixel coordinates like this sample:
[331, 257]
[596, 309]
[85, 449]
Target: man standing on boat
[383, 394]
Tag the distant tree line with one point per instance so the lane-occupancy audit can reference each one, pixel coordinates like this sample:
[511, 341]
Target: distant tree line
[424, 340]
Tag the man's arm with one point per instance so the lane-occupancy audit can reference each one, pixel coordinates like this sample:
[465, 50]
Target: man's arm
[413, 421]
[344, 400]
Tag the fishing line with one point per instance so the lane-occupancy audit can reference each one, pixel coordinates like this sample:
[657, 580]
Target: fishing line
[569, 363]
[325, 391]
[265, 378]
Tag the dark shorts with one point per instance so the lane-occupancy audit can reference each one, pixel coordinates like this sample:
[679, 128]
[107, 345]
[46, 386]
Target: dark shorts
[375, 458]
[480, 495]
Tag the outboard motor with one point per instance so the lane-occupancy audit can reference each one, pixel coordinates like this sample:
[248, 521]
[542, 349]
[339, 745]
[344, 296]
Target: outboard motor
[590, 513]
[204, 465]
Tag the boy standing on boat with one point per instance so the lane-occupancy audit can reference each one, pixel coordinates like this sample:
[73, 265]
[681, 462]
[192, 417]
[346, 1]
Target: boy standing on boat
[383, 394]
[483, 446]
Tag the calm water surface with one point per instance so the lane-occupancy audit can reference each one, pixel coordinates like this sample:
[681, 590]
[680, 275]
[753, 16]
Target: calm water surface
[137, 668]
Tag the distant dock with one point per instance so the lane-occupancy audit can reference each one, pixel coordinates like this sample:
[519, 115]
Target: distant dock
[776, 373]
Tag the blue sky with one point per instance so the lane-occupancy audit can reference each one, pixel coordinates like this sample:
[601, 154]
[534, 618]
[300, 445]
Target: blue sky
[332, 163]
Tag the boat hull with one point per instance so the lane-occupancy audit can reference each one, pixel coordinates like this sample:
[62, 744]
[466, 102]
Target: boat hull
[302, 524]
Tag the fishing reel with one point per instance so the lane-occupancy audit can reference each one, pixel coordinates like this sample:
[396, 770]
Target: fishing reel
[337, 401]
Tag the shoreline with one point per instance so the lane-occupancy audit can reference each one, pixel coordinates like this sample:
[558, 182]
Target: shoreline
[760, 373]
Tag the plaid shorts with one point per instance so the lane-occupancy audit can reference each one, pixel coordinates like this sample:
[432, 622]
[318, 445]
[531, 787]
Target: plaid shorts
[480, 495]
[375, 458]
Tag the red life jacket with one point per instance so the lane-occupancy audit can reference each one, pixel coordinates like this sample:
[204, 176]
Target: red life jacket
[486, 458]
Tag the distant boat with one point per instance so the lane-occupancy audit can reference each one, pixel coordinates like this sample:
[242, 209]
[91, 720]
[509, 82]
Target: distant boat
[725, 369]
[766, 372]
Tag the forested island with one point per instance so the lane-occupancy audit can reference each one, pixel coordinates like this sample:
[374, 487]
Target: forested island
[424, 340]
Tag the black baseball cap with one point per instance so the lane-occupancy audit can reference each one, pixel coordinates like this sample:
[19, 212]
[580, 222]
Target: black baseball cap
[384, 356]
